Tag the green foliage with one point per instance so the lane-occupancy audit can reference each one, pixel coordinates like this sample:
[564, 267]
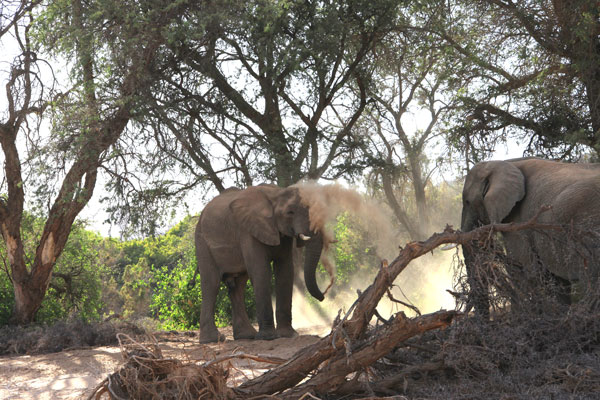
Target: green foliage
[7, 300]
[354, 254]
[151, 265]
[75, 288]
[175, 301]
[136, 290]
[96, 276]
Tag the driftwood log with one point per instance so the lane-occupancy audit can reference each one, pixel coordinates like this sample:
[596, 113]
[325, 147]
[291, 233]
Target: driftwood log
[346, 349]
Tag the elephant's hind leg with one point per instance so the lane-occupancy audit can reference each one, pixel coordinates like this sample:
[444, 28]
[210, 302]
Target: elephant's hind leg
[242, 328]
[210, 280]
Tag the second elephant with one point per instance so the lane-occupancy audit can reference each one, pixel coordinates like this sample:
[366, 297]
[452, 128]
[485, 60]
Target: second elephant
[239, 234]
[514, 191]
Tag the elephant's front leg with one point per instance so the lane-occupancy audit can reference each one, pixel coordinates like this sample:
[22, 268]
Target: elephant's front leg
[284, 282]
[261, 280]
[258, 266]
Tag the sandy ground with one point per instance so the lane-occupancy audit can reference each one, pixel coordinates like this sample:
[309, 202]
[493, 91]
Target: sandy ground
[74, 374]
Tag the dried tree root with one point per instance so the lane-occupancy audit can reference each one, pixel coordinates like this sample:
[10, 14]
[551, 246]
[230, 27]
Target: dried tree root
[391, 382]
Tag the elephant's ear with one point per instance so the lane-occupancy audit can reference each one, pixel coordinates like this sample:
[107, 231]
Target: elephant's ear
[505, 188]
[254, 212]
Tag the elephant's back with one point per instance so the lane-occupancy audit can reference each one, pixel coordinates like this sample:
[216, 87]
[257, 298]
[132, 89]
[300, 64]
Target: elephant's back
[216, 224]
[570, 188]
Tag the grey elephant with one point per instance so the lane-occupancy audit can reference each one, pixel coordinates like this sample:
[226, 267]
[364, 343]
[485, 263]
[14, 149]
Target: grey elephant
[239, 234]
[514, 191]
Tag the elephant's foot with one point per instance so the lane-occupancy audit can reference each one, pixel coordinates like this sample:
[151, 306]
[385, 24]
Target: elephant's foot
[286, 331]
[211, 337]
[266, 334]
[244, 333]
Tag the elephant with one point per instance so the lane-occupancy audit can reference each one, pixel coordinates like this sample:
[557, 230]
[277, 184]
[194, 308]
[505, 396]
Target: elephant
[514, 191]
[238, 235]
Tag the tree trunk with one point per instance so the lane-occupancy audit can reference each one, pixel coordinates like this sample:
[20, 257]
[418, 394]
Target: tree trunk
[28, 299]
[30, 285]
[420, 198]
[593, 94]
[400, 214]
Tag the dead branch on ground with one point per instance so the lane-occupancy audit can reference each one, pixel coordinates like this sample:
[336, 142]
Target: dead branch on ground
[366, 352]
[333, 350]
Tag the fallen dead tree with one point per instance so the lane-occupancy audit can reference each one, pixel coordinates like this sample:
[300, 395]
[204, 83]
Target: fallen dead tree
[350, 333]
[357, 357]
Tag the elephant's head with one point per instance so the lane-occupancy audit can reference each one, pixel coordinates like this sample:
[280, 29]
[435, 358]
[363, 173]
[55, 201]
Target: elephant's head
[269, 212]
[491, 191]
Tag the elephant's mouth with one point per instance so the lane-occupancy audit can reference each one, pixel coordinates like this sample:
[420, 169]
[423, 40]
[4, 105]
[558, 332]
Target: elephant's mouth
[302, 235]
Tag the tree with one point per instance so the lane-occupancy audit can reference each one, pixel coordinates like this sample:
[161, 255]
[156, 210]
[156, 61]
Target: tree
[538, 75]
[266, 94]
[111, 54]
[416, 75]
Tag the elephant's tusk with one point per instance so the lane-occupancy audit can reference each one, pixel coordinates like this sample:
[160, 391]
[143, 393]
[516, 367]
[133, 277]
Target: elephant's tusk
[304, 237]
[450, 246]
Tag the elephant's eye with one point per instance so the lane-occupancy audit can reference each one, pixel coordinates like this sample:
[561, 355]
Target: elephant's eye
[290, 213]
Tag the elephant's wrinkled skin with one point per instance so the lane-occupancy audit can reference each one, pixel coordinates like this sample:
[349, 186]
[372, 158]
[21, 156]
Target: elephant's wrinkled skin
[238, 235]
[514, 191]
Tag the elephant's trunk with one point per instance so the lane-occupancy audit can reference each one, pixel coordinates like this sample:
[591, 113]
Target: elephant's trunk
[311, 259]
[478, 297]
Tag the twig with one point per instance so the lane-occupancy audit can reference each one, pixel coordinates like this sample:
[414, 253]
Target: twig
[258, 358]
[383, 320]
[407, 305]
[393, 381]
[308, 395]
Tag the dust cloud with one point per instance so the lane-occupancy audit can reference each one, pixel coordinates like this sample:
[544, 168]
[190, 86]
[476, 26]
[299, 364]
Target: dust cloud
[326, 202]
[423, 283]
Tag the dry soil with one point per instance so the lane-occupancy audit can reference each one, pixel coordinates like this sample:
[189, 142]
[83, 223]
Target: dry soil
[74, 373]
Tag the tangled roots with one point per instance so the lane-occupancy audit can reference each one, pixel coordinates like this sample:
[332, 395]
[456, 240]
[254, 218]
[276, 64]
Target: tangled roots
[147, 375]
